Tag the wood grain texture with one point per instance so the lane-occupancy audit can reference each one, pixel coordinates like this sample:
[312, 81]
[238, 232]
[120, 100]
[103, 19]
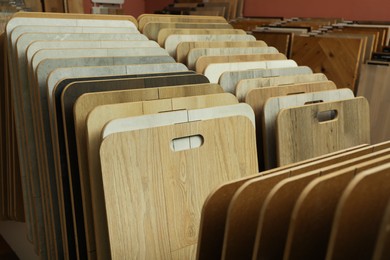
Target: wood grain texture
[152, 29]
[381, 31]
[280, 40]
[337, 58]
[251, 24]
[146, 18]
[244, 86]
[355, 199]
[196, 53]
[163, 34]
[216, 206]
[73, 6]
[339, 135]
[274, 104]
[56, 6]
[203, 61]
[89, 125]
[180, 218]
[173, 41]
[373, 84]
[309, 236]
[184, 47]
[230, 79]
[382, 245]
[214, 70]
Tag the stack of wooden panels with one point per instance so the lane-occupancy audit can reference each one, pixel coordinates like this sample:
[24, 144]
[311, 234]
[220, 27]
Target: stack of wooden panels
[125, 127]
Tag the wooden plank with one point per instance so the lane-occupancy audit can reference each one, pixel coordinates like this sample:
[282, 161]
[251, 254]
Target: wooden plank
[163, 34]
[214, 70]
[326, 191]
[280, 40]
[337, 58]
[245, 86]
[196, 53]
[360, 244]
[382, 245]
[278, 208]
[215, 209]
[204, 61]
[56, 6]
[152, 29]
[73, 6]
[325, 136]
[230, 79]
[164, 207]
[373, 82]
[274, 104]
[173, 41]
[184, 47]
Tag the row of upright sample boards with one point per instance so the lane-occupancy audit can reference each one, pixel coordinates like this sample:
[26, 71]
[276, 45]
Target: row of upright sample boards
[127, 131]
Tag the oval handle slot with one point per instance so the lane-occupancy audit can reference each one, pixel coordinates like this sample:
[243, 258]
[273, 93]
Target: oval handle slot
[313, 102]
[296, 93]
[325, 116]
[186, 143]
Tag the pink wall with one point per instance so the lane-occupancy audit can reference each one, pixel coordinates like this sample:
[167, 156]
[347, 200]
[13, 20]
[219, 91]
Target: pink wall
[348, 9]
[154, 5]
[130, 7]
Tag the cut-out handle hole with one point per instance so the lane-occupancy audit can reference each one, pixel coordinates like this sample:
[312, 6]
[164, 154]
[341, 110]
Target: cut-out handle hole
[296, 93]
[186, 143]
[313, 102]
[328, 115]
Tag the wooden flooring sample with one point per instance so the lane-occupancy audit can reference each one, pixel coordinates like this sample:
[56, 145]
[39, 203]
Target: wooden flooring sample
[213, 71]
[152, 29]
[337, 58]
[381, 251]
[274, 104]
[371, 190]
[195, 53]
[230, 79]
[305, 137]
[204, 61]
[184, 47]
[280, 40]
[173, 41]
[158, 211]
[373, 84]
[244, 86]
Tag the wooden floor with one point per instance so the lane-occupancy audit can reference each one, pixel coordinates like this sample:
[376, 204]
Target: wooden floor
[6, 252]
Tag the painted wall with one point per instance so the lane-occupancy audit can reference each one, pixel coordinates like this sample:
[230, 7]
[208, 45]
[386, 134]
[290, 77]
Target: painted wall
[130, 7]
[154, 5]
[347, 9]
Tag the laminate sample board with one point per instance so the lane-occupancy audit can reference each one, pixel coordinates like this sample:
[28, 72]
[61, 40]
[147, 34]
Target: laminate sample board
[213, 71]
[373, 85]
[185, 243]
[203, 61]
[183, 48]
[215, 209]
[370, 188]
[382, 245]
[337, 58]
[144, 19]
[163, 34]
[152, 29]
[274, 104]
[280, 40]
[174, 40]
[245, 86]
[195, 53]
[321, 137]
[230, 79]
[308, 237]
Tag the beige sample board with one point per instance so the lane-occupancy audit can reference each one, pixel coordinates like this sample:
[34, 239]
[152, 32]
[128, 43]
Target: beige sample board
[195, 53]
[244, 86]
[155, 205]
[203, 61]
[163, 34]
[183, 48]
[173, 40]
[306, 137]
[152, 29]
[273, 105]
[213, 71]
[230, 79]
